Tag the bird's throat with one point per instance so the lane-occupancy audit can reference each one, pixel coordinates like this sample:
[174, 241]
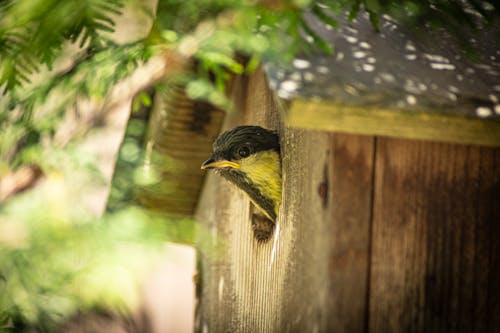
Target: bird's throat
[260, 179]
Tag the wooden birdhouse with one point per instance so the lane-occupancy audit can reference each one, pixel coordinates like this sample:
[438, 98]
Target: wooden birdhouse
[390, 216]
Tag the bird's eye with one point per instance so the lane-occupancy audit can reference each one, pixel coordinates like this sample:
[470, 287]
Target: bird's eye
[244, 151]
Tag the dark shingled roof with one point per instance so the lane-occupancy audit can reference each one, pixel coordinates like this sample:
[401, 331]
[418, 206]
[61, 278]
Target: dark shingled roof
[397, 68]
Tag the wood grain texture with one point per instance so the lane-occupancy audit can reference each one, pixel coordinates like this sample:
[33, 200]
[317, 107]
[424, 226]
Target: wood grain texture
[350, 194]
[374, 235]
[323, 115]
[434, 264]
[279, 285]
[398, 66]
[180, 135]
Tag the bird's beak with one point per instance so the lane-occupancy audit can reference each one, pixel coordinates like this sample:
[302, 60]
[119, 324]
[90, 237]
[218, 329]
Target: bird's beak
[213, 164]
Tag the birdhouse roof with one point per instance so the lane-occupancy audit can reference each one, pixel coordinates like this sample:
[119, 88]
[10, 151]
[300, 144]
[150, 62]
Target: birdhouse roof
[406, 72]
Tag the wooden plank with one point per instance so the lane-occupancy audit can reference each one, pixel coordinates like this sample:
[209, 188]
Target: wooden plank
[323, 115]
[487, 273]
[180, 135]
[280, 285]
[435, 233]
[305, 299]
[350, 194]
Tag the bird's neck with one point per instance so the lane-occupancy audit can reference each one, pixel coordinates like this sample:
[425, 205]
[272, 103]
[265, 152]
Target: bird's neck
[262, 182]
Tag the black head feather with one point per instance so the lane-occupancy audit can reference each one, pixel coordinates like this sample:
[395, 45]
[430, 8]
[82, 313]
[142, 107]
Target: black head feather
[246, 140]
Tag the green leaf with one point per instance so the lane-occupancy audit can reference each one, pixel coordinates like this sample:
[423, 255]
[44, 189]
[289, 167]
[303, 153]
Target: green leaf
[324, 17]
[146, 99]
[320, 42]
[354, 11]
[221, 59]
[374, 19]
[203, 89]
[373, 6]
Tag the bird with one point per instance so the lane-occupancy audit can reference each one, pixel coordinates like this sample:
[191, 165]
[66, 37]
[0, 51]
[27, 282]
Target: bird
[249, 157]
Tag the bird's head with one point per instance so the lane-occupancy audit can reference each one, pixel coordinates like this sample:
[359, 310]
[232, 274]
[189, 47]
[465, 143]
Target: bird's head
[249, 156]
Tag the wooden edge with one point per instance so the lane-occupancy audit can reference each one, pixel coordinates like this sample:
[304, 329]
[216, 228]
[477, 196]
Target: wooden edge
[323, 115]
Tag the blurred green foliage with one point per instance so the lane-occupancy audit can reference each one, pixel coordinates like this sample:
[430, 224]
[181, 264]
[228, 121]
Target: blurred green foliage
[33, 32]
[56, 256]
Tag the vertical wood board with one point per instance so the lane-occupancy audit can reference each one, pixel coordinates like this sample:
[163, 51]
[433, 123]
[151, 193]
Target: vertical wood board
[434, 230]
[180, 132]
[279, 285]
[350, 194]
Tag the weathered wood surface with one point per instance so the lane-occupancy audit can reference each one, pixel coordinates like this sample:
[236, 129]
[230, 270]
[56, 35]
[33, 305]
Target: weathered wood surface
[374, 235]
[350, 179]
[402, 67]
[435, 255]
[277, 286]
[180, 135]
[323, 115]
[401, 82]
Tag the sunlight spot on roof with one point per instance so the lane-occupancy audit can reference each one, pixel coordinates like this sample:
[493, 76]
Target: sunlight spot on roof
[451, 96]
[409, 46]
[289, 85]
[483, 111]
[412, 87]
[387, 17]
[441, 66]
[359, 54]
[301, 63]
[368, 67]
[308, 76]
[351, 39]
[350, 89]
[388, 77]
[322, 69]
[390, 26]
[365, 45]
[483, 66]
[410, 99]
[353, 31]
[487, 6]
[422, 87]
[436, 58]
